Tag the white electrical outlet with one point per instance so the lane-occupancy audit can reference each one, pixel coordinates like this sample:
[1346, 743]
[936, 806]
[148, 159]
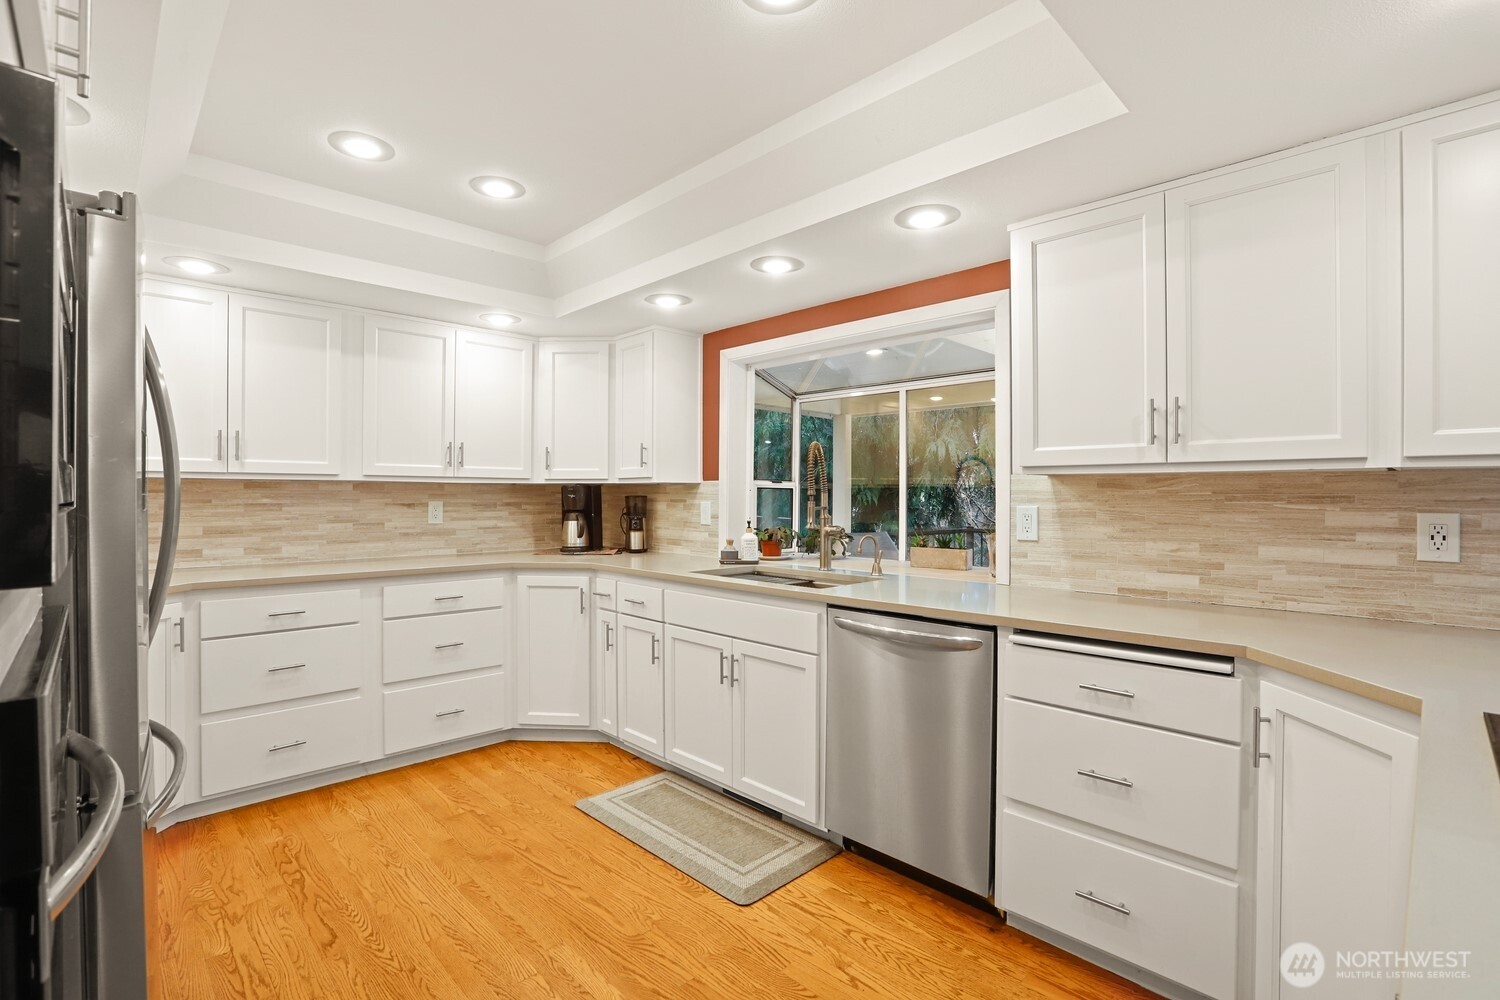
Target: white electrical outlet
[1026, 522]
[1437, 537]
[706, 512]
[435, 512]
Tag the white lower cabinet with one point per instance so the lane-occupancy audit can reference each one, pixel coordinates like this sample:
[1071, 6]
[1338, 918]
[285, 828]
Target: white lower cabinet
[1335, 814]
[286, 743]
[553, 685]
[640, 684]
[699, 702]
[606, 671]
[447, 710]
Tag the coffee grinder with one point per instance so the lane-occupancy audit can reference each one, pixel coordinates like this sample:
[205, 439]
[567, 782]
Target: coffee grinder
[582, 518]
[633, 524]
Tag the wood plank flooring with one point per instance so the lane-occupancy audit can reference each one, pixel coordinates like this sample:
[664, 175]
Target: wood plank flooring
[474, 877]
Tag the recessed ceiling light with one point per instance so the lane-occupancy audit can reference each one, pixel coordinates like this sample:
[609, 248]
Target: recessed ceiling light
[75, 113]
[668, 300]
[500, 319]
[779, 6]
[497, 187]
[361, 146]
[936, 399]
[776, 265]
[927, 217]
[195, 265]
[875, 352]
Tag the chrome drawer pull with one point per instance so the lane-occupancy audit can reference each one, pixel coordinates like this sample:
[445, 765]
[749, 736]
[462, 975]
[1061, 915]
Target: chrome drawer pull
[284, 614]
[1104, 690]
[1124, 782]
[288, 746]
[632, 600]
[600, 593]
[288, 666]
[451, 711]
[448, 645]
[1117, 907]
[451, 597]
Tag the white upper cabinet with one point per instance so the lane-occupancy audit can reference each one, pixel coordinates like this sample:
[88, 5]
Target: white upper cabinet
[189, 326]
[1266, 311]
[1089, 331]
[657, 407]
[409, 374]
[572, 407]
[1451, 256]
[285, 387]
[492, 406]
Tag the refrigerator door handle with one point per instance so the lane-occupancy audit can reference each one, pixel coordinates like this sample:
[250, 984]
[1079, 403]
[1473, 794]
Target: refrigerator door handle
[109, 783]
[171, 494]
[173, 743]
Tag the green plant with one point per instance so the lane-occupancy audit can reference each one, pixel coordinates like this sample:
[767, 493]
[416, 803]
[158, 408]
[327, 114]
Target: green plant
[780, 534]
[920, 541]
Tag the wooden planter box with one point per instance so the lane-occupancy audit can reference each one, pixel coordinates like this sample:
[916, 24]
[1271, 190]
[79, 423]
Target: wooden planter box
[931, 558]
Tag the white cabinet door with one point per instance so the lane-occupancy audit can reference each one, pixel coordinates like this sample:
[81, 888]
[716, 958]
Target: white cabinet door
[163, 668]
[190, 328]
[1089, 340]
[285, 387]
[573, 409]
[606, 671]
[698, 710]
[1334, 846]
[640, 674]
[492, 406]
[553, 679]
[776, 756]
[1266, 311]
[409, 372]
[634, 405]
[1451, 257]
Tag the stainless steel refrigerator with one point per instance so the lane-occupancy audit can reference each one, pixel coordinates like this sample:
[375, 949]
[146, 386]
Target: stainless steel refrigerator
[76, 370]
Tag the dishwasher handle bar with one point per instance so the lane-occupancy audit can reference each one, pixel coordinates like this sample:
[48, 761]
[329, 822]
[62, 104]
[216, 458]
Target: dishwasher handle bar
[910, 637]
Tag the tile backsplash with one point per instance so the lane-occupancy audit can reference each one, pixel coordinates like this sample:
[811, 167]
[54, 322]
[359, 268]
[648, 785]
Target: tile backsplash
[1330, 542]
[233, 522]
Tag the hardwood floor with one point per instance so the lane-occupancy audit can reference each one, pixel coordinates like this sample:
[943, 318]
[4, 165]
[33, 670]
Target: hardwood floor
[474, 876]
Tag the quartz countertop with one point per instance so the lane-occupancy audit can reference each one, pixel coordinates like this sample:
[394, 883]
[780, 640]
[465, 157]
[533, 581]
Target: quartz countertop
[1449, 676]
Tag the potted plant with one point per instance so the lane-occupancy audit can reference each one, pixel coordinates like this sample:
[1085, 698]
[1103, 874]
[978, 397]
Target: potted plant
[812, 542]
[940, 551]
[773, 539]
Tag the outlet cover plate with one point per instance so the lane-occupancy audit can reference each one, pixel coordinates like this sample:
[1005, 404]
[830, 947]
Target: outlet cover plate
[435, 512]
[705, 512]
[1438, 538]
[1026, 522]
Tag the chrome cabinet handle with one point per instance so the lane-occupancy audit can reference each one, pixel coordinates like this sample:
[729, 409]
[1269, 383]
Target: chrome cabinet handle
[608, 637]
[83, 53]
[654, 656]
[179, 768]
[287, 666]
[109, 784]
[283, 614]
[450, 597]
[1117, 907]
[548, 452]
[171, 489]
[601, 593]
[909, 637]
[219, 445]
[448, 645]
[1090, 773]
[1151, 421]
[1104, 690]
[722, 676]
[1259, 754]
[581, 600]
[460, 454]
[181, 625]
[643, 454]
[451, 711]
[288, 746]
[733, 662]
[1176, 419]
[236, 446]
[448, 456]
[632, 600]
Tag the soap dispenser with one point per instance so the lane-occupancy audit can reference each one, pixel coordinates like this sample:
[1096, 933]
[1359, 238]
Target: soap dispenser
[749, 545]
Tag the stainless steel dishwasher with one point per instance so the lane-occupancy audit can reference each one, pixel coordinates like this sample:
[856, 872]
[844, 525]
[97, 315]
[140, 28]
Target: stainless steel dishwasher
[911, 742]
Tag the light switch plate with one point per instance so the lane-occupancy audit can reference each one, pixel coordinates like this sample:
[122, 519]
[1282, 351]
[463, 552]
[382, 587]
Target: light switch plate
[435, 512]
[1026, 522]
[706, 512]
[1438, 537]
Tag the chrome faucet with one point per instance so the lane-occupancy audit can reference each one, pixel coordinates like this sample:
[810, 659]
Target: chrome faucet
[859, 549]
[818, 499]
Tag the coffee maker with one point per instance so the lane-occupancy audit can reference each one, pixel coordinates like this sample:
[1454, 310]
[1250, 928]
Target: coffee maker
[582, 518]
[633, 524]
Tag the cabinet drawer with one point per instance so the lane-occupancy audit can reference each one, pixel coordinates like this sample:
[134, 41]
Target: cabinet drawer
[604, 594]
[1207, 704]
[238, 753]
[260, 669]
[752, 620]
[447, 710]
[277, 613]
[1182, 924]
[443, 644]
[643, 602]
[1182, 793]
[406, 599]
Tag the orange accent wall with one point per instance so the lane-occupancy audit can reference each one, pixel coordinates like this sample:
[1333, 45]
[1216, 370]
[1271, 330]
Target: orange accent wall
[944, 288]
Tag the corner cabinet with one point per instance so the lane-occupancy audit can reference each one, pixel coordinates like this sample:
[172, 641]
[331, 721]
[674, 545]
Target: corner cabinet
[657, 415]
[1336, 807]
[554, 681]
[1451, 234]
[573, 409]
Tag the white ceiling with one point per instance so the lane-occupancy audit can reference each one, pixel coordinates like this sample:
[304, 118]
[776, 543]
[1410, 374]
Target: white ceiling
[666, 143]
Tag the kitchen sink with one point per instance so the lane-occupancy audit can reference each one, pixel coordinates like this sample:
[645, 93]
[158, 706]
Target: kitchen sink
[807, 579]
